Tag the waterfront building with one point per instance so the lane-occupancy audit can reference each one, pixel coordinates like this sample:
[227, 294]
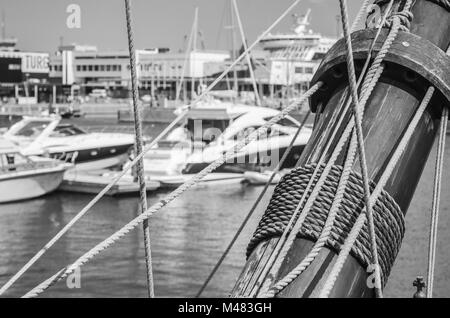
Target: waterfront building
[157, 69]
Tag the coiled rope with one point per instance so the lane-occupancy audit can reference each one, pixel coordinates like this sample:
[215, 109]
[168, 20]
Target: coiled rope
[139, 147]
[389, 226]
[169, 198]
[436, 200]
[326, 231]
[182, 115]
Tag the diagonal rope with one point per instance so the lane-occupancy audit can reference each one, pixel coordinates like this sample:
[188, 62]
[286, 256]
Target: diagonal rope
[255, 205]
[105, 190]
[360, 139]
[436, 200]
[350, 241]
[139, 146]
[169, 198]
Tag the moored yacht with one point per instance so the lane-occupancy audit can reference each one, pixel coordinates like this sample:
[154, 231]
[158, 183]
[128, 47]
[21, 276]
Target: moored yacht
[208, 132]
[25, 177]
[46, 136]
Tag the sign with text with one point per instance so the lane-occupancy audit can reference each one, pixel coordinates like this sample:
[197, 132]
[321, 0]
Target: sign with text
[35, 62]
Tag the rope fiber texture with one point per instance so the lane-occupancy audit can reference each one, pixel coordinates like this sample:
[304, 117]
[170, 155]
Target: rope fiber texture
[389, 222]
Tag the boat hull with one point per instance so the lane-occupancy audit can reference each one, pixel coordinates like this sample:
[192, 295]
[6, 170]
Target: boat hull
[95, 158]
[17, 188]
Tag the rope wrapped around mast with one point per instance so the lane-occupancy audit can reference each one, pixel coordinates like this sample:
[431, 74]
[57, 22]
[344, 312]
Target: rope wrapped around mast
[389, 220]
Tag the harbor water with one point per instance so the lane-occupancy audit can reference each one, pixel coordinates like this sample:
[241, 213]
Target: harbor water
[188, 236]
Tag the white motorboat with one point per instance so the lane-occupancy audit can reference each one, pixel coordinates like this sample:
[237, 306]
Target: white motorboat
[47, 136]
[210, 131]
[25, 177]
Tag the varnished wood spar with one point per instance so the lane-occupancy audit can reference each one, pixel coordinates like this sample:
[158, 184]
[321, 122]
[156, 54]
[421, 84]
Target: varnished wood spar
[388, 113]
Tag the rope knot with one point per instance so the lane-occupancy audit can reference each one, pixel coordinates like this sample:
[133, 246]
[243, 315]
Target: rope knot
[404, 18]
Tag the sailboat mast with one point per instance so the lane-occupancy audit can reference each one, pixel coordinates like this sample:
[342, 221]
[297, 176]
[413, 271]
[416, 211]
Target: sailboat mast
[193, 52]
[233, 51]
[248, 59]
[3, 25]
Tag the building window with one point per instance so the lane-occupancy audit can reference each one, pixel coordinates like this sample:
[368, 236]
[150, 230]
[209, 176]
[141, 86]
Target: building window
[309, 70]
[102, 68]
[84, 68]
[90, 68]
[78, 68]
[119, 67]
[96, 68]
[298, 69]
[108, 68]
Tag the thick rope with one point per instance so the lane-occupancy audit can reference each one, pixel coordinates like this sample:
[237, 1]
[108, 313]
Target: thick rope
[181, 116]
[327, 229]
[436, 200]
[169, 198]
[139, 147]
[350, 241]
[255, 205]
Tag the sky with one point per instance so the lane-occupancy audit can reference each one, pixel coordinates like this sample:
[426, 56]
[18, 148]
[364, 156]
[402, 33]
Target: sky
[40, 24]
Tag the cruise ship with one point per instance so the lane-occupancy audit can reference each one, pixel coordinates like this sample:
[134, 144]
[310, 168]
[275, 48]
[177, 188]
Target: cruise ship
[300, 35]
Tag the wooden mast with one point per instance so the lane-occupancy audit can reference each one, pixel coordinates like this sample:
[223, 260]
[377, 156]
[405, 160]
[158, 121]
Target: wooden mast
[388, 112]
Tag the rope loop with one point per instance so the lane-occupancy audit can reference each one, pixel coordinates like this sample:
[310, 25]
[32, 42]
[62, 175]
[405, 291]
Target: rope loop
[405, 18]
[389, 219]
